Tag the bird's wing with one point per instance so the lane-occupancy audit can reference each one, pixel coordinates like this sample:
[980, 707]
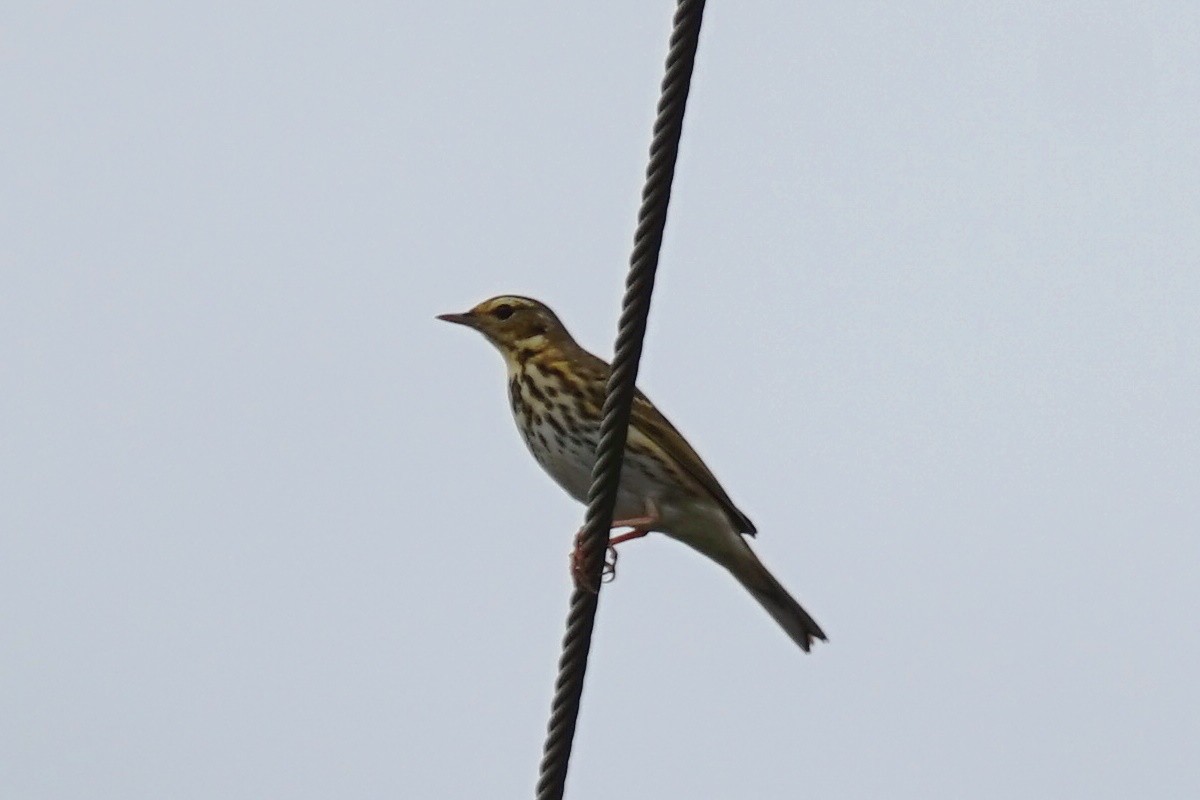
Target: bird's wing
[648, 427]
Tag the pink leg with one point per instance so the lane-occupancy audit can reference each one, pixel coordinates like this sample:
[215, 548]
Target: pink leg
[641, 527]
[643, 523]
[636, 533]
[635, 522]
[610, 561]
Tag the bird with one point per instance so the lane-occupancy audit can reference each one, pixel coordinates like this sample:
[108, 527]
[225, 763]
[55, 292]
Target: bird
[556, 389]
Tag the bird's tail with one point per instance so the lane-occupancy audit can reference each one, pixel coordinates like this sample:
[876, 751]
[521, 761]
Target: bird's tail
[770, 593]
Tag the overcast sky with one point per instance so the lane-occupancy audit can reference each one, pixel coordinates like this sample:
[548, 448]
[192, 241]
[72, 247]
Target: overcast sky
[929, 306]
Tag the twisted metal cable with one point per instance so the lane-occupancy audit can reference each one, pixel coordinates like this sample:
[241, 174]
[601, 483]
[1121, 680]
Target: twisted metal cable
[618, 400]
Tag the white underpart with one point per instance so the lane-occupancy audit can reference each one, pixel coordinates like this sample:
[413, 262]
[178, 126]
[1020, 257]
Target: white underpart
[645, 486]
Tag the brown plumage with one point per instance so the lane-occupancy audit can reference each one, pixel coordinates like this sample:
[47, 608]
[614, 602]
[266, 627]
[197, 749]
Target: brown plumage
[556, 389]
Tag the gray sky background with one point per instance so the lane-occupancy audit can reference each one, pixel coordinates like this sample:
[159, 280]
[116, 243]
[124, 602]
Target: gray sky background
[929, 306]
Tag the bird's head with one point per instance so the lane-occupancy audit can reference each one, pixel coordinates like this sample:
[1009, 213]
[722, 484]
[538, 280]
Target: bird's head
[513, 323]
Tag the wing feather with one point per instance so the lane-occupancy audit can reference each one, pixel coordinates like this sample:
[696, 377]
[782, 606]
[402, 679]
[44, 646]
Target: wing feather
[662, 435]
[656, 431]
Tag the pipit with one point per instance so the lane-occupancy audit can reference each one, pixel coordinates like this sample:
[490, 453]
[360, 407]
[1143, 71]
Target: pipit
[556, 389]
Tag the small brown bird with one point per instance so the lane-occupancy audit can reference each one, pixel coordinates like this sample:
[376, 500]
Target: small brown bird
[556, 389]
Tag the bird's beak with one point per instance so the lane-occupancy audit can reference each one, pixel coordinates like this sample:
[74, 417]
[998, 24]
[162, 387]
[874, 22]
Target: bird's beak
[467, 319]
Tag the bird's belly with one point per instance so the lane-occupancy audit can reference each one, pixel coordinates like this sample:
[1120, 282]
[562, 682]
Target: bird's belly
[565, 454]
[568, 459]
[570, 470]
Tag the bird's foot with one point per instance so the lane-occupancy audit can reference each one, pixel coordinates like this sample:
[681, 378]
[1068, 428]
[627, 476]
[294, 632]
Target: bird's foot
[579, 566]
[608, 573]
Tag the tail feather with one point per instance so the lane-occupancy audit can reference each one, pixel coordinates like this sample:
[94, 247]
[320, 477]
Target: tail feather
[770, 593]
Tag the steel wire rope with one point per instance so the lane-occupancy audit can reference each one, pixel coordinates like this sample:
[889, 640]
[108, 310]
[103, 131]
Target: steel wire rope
[618, 400]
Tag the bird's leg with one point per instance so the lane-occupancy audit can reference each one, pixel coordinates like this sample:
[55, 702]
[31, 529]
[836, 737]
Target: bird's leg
[635, 522]
[636, 533]
[641, 526]
[609, 574]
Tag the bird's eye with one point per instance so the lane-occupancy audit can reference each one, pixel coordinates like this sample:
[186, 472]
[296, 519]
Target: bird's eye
[502, 312]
